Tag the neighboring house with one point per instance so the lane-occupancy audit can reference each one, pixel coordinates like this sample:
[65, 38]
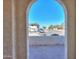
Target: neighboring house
[33, 29]
[55, 28]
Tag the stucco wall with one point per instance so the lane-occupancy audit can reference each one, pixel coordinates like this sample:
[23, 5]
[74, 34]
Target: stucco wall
[7, 42]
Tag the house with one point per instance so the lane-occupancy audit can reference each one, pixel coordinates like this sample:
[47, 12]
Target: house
[33, 29]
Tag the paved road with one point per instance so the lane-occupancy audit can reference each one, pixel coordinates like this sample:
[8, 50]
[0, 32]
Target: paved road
[47, 52]
[46, 40]
[43, 47]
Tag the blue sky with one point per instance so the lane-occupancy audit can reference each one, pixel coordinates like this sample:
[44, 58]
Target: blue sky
[46, 12]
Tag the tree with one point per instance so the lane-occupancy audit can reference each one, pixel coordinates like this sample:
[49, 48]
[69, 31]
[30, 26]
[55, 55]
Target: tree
[44, 27]
[59, 26]
[51, 27]
[35, 24]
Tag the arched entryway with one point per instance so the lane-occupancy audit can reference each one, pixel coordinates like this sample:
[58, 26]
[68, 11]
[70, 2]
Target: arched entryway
[20, 17]
[46, 25]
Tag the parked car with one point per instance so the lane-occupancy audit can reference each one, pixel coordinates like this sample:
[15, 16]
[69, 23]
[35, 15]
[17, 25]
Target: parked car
[54, 34]
[41, 30]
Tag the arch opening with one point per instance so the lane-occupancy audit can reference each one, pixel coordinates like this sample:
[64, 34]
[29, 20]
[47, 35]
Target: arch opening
[47, 29]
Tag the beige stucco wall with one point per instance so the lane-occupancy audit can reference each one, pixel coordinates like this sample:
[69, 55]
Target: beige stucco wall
[20, 14]
[71, 14]
[7, 42]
